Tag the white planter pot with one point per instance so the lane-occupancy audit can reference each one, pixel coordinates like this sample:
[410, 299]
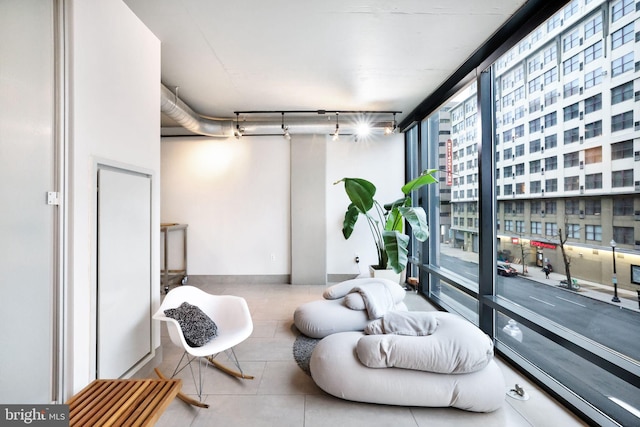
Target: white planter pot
[387, 274]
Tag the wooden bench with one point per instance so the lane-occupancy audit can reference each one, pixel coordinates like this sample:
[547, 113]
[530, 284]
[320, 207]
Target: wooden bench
[122, 402]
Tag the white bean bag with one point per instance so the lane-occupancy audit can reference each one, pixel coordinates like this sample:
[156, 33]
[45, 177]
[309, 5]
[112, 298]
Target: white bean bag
[336, 368]
[344, 307]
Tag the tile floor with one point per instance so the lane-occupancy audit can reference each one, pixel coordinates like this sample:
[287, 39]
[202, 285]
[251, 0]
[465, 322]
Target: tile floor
[283, 395]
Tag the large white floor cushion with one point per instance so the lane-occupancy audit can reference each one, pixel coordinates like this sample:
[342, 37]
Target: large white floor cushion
[453, 346]
[349, 306]
[336, 369]
[317, 319]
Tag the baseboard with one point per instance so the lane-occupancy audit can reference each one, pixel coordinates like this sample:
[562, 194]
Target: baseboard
[336, 278]
[271, 279]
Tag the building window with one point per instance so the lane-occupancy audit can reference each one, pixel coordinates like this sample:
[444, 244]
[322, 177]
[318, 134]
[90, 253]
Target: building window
[508, 225]
[591, 130]
[571, 136]
[622, 178]
[519, 226]
[551, 163]
[570, 65]
[593, 181]
[571, 40]
[622, 65]
[622, 93]
[571, 112]
[536, 187]
[535, 84]
[573, 231]
[623, 235]
[571, 88]
[571, 159]
[593, 26]
[534, 166]
[623, 206]
[572, 207]
[535, 207]
[520, 188]
[622, 121]
[571, 183]
[520, 169]
[551, 75]
[593, 232]
[551, 97]
[551, 141]
[593, 103]
[550, 208]
[593, 155]
[534, 146]
[534, 105]
[518, 132]
[592, 207]
[519, 150]
[508, 171]
[536, 227]
[620, 9]
[593, 52]
[551, 185]
[622, 36]
[550, 119]
[593, 78]
[508, 153]
[550, 229]
[508, 189]
[622, 150]
[534, 125]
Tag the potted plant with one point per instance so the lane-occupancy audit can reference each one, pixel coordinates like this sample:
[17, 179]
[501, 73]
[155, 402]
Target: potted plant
[386, 222]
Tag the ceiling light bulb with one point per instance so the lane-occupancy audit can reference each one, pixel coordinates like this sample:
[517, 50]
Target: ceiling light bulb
[363, 129]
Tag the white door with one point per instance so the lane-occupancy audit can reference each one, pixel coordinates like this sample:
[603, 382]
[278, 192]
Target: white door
[124, 271]
[28, 296]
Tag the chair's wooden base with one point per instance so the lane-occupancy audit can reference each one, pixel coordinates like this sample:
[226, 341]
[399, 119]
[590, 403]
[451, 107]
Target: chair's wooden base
[182, 396]
[228, 371]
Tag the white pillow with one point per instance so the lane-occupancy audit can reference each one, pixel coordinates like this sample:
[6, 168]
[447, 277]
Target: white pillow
[457, 346]
[415, 323]
[341, 289]
[354, 301]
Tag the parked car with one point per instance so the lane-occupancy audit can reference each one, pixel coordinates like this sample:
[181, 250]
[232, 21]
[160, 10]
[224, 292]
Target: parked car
[505, 269]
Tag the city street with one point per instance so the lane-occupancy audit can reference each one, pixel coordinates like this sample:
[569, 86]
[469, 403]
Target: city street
[587, 313]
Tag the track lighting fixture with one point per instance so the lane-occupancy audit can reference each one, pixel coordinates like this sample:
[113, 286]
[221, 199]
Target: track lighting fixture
[357, 122]
[239, 131]
[393, 128]
[285, 130]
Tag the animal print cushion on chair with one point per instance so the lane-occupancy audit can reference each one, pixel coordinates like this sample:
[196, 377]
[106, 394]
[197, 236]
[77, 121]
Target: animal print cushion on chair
[197, 328]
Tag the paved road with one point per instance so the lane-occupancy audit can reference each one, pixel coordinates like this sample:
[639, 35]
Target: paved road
[604, 323]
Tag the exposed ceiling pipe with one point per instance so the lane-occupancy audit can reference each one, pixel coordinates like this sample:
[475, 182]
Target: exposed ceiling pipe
[177, 110]
[172, 106]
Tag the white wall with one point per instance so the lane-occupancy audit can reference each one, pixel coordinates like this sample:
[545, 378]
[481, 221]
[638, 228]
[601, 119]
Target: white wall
[379, 160]
[234, 196]
[114, 101]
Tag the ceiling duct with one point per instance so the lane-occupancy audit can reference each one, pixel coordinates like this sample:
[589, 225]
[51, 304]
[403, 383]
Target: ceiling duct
[180, 112]
[317, 123]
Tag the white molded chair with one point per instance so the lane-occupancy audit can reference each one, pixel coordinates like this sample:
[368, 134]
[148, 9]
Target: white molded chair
[230, 314]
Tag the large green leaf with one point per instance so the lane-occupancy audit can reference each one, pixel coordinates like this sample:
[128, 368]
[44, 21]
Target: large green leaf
[396, 245]
[350, 219]
[360, 192]
[425, 178]
[394, 220]
[417, 219]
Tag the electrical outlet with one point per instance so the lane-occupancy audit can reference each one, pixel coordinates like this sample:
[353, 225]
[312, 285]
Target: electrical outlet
[356, 258]
[273, 257]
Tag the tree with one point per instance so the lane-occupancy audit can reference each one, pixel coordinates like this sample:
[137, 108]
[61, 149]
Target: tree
[566, 258]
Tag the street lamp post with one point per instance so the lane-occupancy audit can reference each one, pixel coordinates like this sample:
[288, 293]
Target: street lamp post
[615, 278]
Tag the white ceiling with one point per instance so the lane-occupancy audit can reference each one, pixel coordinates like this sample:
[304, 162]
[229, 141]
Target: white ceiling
[301, 55]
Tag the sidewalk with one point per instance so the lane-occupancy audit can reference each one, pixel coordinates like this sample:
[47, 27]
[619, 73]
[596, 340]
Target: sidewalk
[628, 299]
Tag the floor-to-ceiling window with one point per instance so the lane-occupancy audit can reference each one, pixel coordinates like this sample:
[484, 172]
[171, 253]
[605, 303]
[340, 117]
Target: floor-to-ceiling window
[540, 166]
